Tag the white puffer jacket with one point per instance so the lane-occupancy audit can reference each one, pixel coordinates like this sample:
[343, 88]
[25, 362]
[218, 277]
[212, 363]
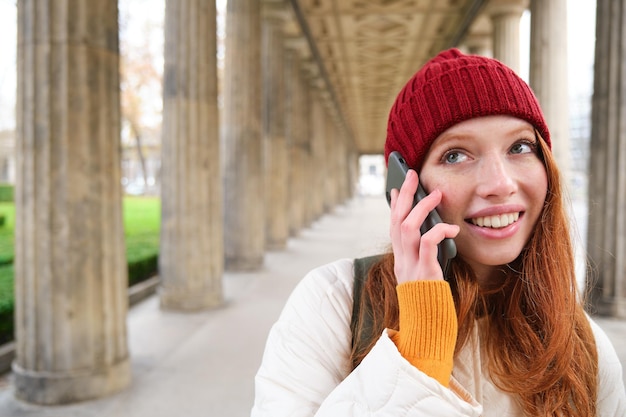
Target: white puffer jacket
[306, 366]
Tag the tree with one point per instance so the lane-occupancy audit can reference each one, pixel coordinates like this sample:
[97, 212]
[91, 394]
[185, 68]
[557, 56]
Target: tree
[141, 72]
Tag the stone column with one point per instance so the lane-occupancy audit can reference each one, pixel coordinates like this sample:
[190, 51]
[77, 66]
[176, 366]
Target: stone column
[505, 18]
[305, 148]
[329, 176]
[274, 138]
[548, 73]
[291, 130]
[333, 145]
[353, 171]
[244, 218]
[296, 129]
[318, 155]
[341, 161]
[606, 242]
[191, 252]
[70, 267]
[347, 165]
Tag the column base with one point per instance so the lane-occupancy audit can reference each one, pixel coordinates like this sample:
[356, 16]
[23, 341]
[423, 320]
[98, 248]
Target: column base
[244, 264]
[170, 299]
[58, 388]
[610, 307]
[276, 245]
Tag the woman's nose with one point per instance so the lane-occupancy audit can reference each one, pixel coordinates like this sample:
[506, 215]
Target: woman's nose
[496, 178]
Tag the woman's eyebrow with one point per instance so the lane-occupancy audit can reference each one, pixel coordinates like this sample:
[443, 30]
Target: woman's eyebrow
[522, 130]
[450, 136]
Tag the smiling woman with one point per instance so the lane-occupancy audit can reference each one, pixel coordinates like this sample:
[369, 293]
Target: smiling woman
[504, 332]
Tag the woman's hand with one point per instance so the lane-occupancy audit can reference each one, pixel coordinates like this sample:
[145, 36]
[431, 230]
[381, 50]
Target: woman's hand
[416, 255]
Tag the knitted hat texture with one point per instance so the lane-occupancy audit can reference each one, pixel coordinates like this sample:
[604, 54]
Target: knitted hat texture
[450, 88]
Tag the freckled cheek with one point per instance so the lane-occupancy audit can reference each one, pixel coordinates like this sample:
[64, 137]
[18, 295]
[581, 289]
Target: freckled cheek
[452, 205]
[538, 189]
[454, 190]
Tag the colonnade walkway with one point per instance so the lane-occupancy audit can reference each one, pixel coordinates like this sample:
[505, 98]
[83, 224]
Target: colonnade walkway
[203, 364]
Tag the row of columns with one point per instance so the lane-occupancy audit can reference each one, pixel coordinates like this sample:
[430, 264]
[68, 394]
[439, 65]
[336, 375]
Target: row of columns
[235, 182]
[274, 128]
[280, 159]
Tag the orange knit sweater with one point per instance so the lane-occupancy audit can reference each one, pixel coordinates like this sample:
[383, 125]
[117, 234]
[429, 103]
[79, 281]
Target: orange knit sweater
[428, 327]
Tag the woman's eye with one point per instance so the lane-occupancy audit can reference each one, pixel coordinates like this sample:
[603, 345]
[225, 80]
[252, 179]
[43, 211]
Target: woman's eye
[454, 157]
[522, 147]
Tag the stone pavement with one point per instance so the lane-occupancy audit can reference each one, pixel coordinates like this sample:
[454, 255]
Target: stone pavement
[203, 364]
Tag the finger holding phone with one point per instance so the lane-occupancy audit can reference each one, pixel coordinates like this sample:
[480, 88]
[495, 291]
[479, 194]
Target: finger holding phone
[422, 244]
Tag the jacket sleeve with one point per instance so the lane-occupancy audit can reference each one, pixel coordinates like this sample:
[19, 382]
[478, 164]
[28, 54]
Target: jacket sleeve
[611, 392]
[305, 370]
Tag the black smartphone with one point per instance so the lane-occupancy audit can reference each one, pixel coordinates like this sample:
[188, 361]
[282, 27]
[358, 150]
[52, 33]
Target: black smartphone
[396, 172]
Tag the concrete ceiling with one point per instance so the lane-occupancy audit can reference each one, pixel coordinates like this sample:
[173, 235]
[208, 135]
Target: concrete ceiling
[365, 51]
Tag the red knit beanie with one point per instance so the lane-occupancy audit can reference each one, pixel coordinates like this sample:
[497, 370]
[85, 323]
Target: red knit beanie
[450, 88]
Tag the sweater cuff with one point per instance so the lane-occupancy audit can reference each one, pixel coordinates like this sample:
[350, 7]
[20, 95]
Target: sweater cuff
[428, 327]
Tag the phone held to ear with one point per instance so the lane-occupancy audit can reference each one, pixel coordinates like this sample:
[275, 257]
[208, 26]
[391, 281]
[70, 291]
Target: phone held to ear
[397, 169]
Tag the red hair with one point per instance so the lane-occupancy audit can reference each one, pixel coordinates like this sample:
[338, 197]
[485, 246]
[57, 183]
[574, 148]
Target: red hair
[538, 339]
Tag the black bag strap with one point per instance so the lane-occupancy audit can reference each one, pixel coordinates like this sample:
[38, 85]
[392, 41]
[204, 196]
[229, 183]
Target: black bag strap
[361, 270]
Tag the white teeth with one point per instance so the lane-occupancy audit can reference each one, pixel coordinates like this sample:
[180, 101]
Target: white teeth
[496, 222]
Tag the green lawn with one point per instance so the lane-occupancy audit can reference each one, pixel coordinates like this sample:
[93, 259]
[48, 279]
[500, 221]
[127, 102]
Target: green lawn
[6, 233]
[142, 221]
[142, 218]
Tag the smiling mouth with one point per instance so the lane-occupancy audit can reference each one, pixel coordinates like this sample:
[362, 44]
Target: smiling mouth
[496, 222]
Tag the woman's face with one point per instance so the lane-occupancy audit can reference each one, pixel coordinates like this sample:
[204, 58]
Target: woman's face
[493, 184]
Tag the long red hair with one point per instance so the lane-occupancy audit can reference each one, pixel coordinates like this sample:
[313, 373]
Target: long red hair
[537, 336]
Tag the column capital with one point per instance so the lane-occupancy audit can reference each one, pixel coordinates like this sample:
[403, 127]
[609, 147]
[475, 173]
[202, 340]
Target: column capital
[311, 72]
[299, 45]
[275, 10]
[478, 43]
[506, 7]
